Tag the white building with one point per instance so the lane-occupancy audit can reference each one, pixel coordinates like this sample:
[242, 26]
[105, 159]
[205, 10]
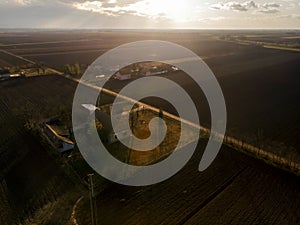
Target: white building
[123, 76]
[59, 137]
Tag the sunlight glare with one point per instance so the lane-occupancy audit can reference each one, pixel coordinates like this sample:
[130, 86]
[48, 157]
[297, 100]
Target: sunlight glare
[175, 10]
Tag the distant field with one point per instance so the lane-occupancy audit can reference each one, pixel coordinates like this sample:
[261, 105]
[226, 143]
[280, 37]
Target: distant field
[7, 60]
[58, 48]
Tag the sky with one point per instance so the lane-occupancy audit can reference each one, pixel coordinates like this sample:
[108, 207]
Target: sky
[152, 14]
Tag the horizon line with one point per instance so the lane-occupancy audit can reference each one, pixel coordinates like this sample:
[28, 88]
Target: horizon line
[152, 29]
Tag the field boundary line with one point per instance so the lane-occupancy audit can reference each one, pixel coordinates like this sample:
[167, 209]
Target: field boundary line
[30, 61]
[17, 56]
[49, 42]
[261, 44]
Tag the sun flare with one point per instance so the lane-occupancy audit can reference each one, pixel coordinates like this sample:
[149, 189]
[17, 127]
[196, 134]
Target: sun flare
[174, 10]
[177, 11]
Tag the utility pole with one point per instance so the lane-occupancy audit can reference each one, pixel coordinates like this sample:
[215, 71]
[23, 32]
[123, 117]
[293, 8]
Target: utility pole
[92, 201]
[131, 136]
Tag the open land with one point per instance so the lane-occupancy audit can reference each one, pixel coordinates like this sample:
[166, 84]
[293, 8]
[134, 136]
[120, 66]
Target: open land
[261, 89]
[264, 194]
[261, 86]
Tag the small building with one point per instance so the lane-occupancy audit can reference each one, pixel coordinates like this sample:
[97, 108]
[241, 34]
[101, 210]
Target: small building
[123, 76]
[58, 135]
[16, 75]
[153, 73]
[174, 68]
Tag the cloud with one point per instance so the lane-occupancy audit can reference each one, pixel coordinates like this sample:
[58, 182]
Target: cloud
[23, 2]
[269, 11]
[269, 8]
[104, 3]
[270, 5]
[290, 16]
[64, 15]
[117, 8]
[247, 6]
[120, 3]
[18, 2]
[209, 19]
[152, 9]
[235, 6]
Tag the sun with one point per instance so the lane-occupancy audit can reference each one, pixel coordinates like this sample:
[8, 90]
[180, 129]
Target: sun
[176, 10]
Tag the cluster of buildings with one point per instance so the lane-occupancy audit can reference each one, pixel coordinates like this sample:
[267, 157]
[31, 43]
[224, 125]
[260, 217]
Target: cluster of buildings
[61, 137]
[127, 73]
[103, 115]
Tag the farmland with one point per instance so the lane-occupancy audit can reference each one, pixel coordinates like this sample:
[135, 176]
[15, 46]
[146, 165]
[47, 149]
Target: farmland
[184, 198]
[9, 60]
[234, 190]
[31, 178]
[186, 194]
[261, 89]
[261, 86]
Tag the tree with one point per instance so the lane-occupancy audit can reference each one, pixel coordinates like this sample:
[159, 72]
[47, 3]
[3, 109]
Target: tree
[66, 69]
[77, 69]
[161, 113]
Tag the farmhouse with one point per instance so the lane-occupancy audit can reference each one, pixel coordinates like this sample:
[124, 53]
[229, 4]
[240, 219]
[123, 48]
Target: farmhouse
[58, 135]
[110, 135]
[149, 73]
[123, 75]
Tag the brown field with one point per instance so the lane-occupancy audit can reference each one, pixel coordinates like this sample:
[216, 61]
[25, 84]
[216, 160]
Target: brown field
[234, 190]
[221, 193]
[7, 60]
[261, 89]
[32, 179]
[261, 86]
